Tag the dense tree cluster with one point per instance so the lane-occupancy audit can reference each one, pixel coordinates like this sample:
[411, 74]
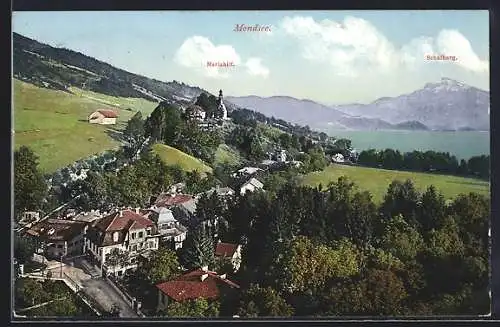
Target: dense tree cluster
[428, 161]
[333, 251]
[168, 125]
[47, 298]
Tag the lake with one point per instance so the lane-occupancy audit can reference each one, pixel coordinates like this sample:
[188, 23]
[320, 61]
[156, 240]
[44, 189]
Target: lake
[463, 145]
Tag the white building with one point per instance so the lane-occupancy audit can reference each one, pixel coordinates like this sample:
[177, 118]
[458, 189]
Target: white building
[229, 251]
[251, 185]
[338, 158]
[125, 230]
[170, 230]
[281, 156]
[222, 108]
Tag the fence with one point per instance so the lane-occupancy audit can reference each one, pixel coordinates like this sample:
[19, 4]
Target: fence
[131, 301]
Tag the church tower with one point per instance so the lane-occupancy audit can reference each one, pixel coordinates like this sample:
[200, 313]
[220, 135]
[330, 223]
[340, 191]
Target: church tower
[222, 108]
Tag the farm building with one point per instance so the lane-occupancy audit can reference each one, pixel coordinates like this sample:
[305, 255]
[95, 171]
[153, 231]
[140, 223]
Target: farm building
[103, 117]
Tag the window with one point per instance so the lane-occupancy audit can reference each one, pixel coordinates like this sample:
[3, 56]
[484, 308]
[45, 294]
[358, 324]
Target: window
[100, 252]
[148, 231]
[133, 236]
[134, 247]
[115, 237]
[59, 246]
[140, 234]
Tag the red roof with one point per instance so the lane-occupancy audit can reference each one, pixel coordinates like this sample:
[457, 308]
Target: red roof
[166, 200]
[225, 249]
[190, 286]
[108, 113]
[127, 220]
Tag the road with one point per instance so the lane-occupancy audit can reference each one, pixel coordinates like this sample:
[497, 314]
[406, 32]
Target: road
[106, 296]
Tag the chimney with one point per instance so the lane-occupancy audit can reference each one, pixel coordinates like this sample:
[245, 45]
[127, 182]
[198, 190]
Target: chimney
[223, 276]
[203, 277]
[121, 213]
[137, 210]
[204, 268]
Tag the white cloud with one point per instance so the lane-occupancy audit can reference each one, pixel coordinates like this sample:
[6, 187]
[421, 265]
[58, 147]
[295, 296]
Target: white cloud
[451, 42]
[355, 46]
[256, 68]
[196, 51]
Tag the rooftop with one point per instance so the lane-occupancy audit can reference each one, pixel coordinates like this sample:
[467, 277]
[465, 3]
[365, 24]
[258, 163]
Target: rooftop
[225, 249]
[57, 229]
[192, 286]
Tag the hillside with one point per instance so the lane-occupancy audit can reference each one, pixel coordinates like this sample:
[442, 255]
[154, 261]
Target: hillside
[53, 123]
[377, 180]
[61, 69]
[172, 156]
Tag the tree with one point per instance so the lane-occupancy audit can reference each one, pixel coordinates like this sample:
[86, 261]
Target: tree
[401, 198]
[431, 210]
[310, 265]
[198, 249]
[164, 123]
[135, 128]
[161, 266]
[117, 258]
[377, 293]
[23, 248]
[199, 308]
[259, 301]
[401, 239]
[94, 193]
[29, 185]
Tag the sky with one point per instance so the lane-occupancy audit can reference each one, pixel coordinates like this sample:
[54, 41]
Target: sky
[332, 57]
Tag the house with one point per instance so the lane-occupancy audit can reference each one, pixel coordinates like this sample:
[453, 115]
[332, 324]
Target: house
[29, 217]
[246, 171]
[220, 191]
[125, 230]
[339, 158]
[196, 112]
[103, 117]
[251, 185]
[172, 233]
[281, 156]
[183, 206]
[87, 217]
[200, 283]
[59, 237]
[231, 252]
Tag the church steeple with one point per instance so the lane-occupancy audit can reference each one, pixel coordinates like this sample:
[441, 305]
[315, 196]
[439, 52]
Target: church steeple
[222, 107]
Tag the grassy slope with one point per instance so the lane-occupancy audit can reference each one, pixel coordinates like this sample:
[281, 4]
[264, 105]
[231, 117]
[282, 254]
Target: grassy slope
[172, 156]
[377, 180]
[227, 154]
[53, 123]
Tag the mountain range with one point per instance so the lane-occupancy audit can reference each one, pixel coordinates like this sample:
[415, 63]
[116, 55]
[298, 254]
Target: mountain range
[445, 105]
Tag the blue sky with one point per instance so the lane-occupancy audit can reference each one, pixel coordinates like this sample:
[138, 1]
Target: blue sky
[326, 56]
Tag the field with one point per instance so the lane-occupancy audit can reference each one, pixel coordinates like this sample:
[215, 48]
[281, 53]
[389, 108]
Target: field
[172, 156]
[53, 123]
[226, 154]
[377, 180]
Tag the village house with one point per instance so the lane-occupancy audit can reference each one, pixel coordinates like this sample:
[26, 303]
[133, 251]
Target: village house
[59, 238]
[125, 230]
[196, 112]
[251, 185]
[103, 117]
[231, 252]
[246, 171]
[200, 283]
[172, 233]
[338, 158]
[183, 206]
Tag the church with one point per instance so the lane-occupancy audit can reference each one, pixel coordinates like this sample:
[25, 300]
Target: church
[221, 109]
